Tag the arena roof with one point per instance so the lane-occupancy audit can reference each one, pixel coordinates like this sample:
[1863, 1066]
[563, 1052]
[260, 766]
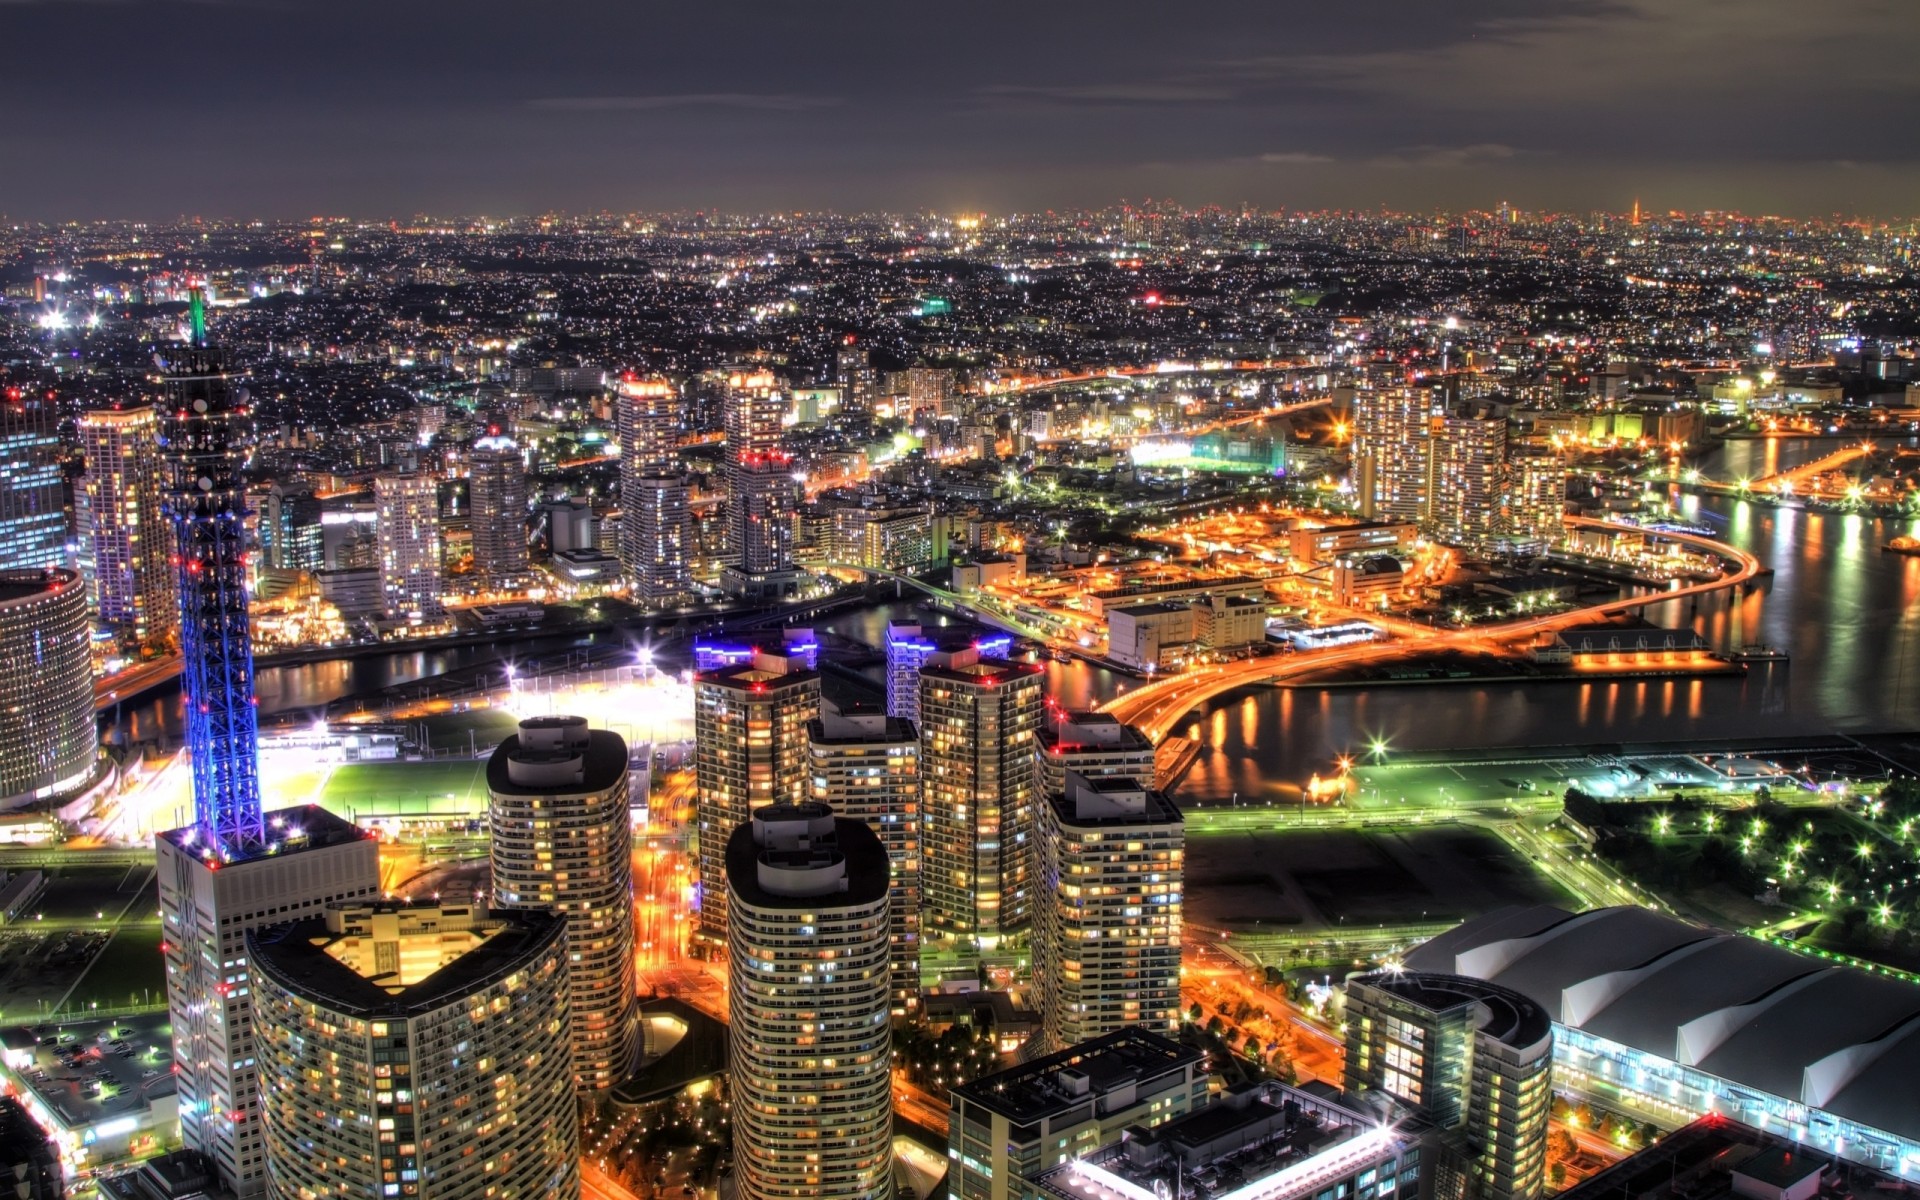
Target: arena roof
[1754, 1014]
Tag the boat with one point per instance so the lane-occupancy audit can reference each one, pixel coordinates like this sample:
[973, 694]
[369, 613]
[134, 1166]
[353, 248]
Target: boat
[1061, 656]
[1903, 545]
[1755, 652]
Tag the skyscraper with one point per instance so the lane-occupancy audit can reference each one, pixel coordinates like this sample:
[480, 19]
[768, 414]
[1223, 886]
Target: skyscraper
[33, 517]
[210, 899]
[761, 492]
[497, 498]
[750, 750]
[810, 1051]
[853, 372]
[127, 526]
[422, 1049]
[1107, 910]
[407, 524]
[48, 744]
[1475, 1058]
[867, 766]
[563, 843]
[234, 868]
[656, 517]
[978, 717]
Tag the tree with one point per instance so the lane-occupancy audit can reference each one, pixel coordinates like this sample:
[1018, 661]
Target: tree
[1215, 1024]
[1557, 1173]
[1195, 1013]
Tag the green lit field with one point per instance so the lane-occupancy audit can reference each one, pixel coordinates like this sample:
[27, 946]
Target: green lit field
[360, 790]
[129, 970]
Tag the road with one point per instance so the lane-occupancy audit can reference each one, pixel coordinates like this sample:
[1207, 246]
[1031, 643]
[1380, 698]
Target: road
[918, 1105]
[124, 685]
[1156, 708]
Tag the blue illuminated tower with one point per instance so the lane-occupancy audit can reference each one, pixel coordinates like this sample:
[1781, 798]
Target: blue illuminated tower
[203, 417]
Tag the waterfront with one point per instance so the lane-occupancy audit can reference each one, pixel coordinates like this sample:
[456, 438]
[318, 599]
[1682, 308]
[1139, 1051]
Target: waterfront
[1848, 613]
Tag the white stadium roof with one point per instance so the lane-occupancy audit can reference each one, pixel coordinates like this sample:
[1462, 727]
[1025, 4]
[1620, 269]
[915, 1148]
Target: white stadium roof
[1753, 1014]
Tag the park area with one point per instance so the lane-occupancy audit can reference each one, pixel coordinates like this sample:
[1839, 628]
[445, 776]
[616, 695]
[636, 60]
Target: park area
[1317, 880]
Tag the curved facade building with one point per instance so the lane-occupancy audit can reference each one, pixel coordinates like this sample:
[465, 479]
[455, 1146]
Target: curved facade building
[48, 744]
[808, 983]
[417, 1052]
[1475, 1058]
[563, 843]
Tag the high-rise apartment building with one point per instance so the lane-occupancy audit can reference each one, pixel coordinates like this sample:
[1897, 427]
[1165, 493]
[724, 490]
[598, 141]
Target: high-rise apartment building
[210, 899]
[867, 766]
[127, 528]
[1536, 506]
[858, 383]
[33, 514]
[750, 750]
[1095, 745]
[656, 536]
[1475, 1059]
[1007, 1127]
[48, 743]
[407, 526]
[1469, 448]
[910, 644]
[1107, 910]
[811, 1050]
[762, 494]
[978, 720]
[415, 1051]
[1391, 462]
[562, 842]
[497, 500]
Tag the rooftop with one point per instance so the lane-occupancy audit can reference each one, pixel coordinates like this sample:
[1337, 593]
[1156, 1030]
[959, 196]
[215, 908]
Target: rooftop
[852, 842]
[25, 585]
[859, 729]
[1700, 1162]
[1061, 1081]
[302, 956]
[304, 827]
[1507, 1016]
[86, 1078]
[1754, 1014]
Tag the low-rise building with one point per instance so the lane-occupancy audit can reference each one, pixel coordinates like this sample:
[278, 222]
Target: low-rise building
[1007, 1127]
[1149, 637]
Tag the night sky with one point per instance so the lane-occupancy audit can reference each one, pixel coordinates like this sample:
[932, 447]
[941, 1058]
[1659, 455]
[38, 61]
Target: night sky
[372, 108]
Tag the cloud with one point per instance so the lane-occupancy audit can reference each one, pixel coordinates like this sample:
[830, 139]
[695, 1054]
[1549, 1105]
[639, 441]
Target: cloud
[1442, 157]
[755, 101]
[1110, 93]
[1295, 158]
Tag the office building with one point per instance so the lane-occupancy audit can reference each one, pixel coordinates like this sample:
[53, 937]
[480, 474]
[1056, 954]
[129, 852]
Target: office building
[1262, 1141]
[211, 897]
[1095, 745]
[234, 868]
[867, 766]
[750, 750]
[978, 720]
[1006, 1128]
[762, 494]
[1474, 1059]
[126, 526]
[1689, 1021]
[33, 514]
[293, 529]
[48, 743]
[416, 1051]
[407, 526]
[1107, 910]
[656, 536]
[562, 842]
[811, 1050]
[497, 500]
[910, 644]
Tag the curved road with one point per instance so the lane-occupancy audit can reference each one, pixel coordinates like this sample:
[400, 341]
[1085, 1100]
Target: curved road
[1157, 707]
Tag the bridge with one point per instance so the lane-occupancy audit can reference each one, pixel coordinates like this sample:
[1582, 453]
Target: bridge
[1157, 707]
[964, 605]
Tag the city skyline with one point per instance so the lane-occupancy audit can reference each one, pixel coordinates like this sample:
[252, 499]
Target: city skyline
[374, 111]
